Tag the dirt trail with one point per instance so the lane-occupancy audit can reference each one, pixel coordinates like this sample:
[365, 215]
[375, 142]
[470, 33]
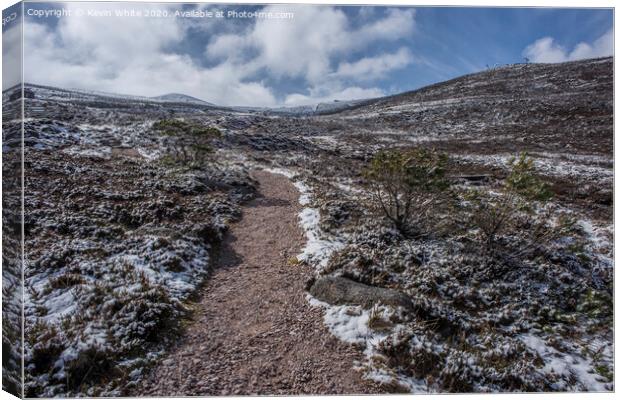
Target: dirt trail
[254, 332]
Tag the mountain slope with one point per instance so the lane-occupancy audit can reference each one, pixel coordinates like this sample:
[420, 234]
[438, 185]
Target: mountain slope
[567, 104]
[108, 207]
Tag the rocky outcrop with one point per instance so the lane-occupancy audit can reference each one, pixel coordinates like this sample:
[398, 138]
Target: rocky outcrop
[339, 290]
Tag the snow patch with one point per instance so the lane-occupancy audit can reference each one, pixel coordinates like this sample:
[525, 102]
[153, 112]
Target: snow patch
[565, 366]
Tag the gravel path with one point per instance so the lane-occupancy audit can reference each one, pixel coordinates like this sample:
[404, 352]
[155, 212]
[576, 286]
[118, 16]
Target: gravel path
[254, 331]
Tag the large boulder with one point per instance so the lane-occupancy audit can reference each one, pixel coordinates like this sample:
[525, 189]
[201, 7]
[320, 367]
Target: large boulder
[339, 290]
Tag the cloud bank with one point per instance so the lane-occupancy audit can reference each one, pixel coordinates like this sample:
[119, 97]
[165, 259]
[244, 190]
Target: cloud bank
[546, 50]
[11, 56]
[320, 47]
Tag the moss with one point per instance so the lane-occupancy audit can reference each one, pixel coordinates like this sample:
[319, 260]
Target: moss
[604, 371]
[293, 261]
[167, 161]
[596, 304]
[578, 249]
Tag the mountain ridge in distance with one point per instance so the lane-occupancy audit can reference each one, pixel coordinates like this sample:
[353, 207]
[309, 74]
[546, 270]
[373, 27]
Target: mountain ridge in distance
[181, 98]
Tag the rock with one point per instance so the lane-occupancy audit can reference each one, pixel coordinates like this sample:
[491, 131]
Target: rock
[338, 290]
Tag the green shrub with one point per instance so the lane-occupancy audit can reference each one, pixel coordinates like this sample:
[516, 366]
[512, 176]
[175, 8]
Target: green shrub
[513, 212]
[186, 141]
[407, 185]
[523, 180]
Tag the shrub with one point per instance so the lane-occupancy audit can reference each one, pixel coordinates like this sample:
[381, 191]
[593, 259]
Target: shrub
[512, 212]
[407, 185]
[186, 141]
[91, 365]
[523, 180]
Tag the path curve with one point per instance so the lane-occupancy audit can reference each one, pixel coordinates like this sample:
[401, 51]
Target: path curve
[254, 331]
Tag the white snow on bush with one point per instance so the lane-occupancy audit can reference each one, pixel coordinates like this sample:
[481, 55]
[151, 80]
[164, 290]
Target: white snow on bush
[565, 366]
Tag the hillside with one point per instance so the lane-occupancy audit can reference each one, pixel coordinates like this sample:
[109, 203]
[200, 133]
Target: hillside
[127, 220]
[547, 105]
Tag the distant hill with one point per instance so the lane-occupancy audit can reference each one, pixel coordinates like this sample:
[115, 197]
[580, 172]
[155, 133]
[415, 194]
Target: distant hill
[180, 98]
[487, 97]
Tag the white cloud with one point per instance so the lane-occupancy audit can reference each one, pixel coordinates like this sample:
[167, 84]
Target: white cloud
[545, 50]
[310, 47]
[103, 54]
[226, 46]
[303, 46]
[134, 56]
[603, 46]
[307, 45]
[370, 68]
[397, 24]
[11, 56]
[349, 93]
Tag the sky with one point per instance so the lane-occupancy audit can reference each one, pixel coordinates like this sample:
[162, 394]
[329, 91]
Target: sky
[320, 54]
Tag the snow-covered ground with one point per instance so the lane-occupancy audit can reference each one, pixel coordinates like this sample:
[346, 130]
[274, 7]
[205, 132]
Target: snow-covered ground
[564, 367]
[117, 246]
[118, 240]
[585, 168]
[319, 246]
